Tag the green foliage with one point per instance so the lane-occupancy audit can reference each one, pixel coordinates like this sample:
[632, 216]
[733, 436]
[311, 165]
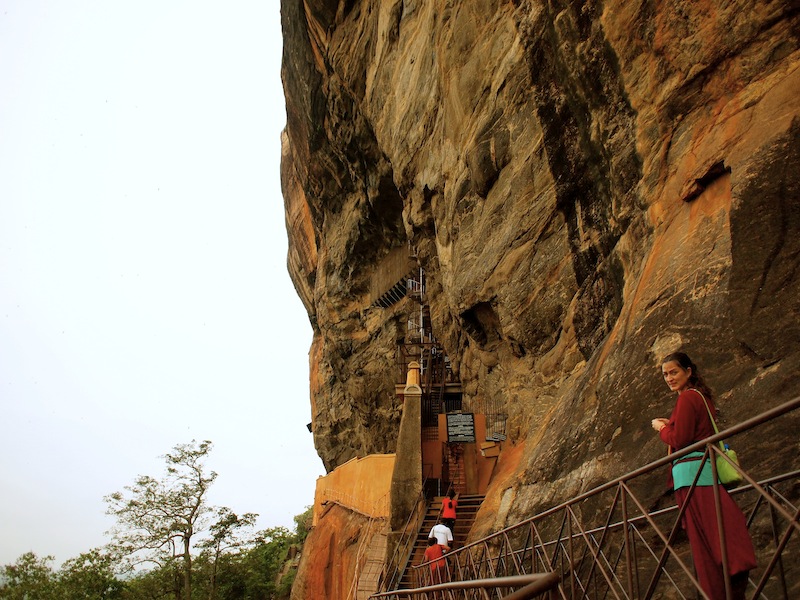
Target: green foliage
[302, 524]
[90, 576]
[157, 520]
[226, 531]
[285, 585]
[225, 535]
[30, 578]
[152, 585]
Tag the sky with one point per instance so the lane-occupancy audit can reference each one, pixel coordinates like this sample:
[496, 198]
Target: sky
[144, 295]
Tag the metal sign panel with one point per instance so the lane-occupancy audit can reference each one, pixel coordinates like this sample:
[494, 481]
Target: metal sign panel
[461, 427]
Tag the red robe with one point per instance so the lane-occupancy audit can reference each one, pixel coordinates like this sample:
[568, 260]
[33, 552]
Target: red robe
[690, 423]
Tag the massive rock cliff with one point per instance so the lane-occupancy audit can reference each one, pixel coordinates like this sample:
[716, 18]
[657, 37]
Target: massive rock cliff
[588, 186]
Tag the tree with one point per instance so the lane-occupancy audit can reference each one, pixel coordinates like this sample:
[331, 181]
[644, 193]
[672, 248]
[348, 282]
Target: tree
[90, 576]
[30, 578]
[225, 535]
[157, 519]
[150, 585]
[302, 524]
[258, 569]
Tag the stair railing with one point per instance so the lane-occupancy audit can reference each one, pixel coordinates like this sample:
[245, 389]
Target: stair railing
[628, 555]
[395, 567]
[527, 587]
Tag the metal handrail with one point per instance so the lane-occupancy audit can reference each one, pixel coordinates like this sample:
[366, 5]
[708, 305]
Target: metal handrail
[405, 545]
[614, 560]
[529, 587]
[749, 424]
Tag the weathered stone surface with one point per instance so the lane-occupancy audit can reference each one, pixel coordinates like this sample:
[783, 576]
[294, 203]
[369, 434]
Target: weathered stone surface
[328, 561]
[588, 185]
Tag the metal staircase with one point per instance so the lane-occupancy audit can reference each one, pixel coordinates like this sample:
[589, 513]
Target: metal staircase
[467, 509]
[607, 543]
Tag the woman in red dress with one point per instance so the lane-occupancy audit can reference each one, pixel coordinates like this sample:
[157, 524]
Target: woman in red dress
[690, 422]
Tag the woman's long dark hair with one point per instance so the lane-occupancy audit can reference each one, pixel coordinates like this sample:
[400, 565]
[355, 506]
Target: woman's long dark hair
[695, 379]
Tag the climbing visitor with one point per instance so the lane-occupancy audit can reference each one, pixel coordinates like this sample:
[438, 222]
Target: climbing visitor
[433, 552]
[690, 422]
[449, 506]
[443, 535]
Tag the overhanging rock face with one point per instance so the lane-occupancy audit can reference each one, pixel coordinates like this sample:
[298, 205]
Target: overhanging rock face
[588, 187]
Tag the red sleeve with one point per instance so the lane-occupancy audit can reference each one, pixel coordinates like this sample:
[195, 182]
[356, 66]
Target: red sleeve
[685, 421]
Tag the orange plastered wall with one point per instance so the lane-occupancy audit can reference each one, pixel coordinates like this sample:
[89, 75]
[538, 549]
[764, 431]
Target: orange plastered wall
[361, 484]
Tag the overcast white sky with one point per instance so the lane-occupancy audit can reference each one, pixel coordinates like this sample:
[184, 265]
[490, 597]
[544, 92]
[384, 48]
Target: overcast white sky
[144, 297]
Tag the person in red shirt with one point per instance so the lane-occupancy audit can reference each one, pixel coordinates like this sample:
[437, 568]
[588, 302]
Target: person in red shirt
[449, 506]
[690, 422]
[433, 552]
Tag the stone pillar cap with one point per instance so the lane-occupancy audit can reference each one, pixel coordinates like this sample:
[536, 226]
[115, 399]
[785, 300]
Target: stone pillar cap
[412, 379]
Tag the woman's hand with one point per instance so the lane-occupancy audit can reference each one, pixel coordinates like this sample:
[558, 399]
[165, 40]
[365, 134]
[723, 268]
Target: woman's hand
[659, 424]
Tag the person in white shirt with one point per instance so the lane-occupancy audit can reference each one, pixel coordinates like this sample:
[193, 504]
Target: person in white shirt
[443, 535]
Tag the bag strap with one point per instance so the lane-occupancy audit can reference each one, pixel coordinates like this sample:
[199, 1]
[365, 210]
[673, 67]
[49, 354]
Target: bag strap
[710, 416]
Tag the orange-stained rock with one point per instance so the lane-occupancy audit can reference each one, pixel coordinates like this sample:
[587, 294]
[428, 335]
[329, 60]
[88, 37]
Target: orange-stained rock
[500, 494]
[327, 565]
[588, 186]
